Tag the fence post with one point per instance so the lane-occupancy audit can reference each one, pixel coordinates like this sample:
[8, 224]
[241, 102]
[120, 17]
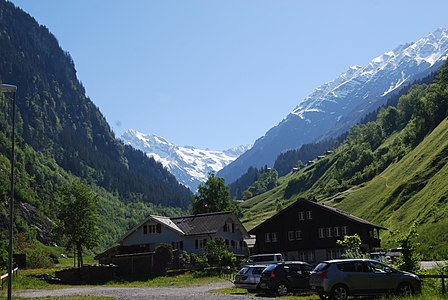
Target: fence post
[443, 284]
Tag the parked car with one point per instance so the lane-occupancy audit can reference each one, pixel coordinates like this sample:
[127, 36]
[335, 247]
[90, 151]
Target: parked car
[249, 277]
[270, 258]
[285, 277]
[341, 278]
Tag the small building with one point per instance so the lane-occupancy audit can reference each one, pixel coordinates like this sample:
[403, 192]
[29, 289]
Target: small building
[308, 231]
[188, 233]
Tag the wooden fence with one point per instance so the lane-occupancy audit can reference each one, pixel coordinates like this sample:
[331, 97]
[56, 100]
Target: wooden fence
[3, 277]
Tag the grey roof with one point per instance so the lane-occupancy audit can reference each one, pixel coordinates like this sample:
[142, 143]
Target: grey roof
[203, 223]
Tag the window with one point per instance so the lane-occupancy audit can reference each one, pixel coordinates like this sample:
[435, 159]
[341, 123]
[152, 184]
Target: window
[274, 237]
[233, 227]
[333, 253]
[301, 215]
[267, 237]
[344, 230]
[321, 233]
[298, 235]
[177, 245]
[199, 244]
[337, 231]
[291, 236]
[306, 256]
[157, 228]
[329, 232]
[309, 215]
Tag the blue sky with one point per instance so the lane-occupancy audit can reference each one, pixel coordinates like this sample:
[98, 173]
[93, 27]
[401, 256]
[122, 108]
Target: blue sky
[217, 74]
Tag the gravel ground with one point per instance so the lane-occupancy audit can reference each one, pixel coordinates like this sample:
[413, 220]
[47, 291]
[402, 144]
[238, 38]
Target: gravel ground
[201, 292]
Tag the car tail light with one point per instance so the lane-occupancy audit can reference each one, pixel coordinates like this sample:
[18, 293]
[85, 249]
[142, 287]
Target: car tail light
[244, 277]
[273, 275]
[323, 275]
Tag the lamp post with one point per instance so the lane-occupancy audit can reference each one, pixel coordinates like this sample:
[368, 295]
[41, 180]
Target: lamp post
[7, 88]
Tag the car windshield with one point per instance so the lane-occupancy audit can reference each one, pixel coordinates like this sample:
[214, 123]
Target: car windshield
[258, 270]
[262, 258]
[243, 270]
[271, 267]
[321, 267]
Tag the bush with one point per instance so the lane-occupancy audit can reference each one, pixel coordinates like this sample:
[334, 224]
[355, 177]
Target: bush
[163, 257]
[37, 258]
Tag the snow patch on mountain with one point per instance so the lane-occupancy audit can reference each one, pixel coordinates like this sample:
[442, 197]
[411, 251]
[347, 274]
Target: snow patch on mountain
[189, 165]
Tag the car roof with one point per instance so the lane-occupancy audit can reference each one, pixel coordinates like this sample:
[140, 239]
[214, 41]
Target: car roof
[257, 266]
[292, 262]
[349, 260]
[266, 254]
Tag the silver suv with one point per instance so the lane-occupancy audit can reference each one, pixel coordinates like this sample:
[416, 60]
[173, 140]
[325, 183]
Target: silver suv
[341, 278]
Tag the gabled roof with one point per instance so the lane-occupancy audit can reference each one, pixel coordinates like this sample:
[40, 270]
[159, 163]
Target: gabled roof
[208, 223]
[319, 206]
[205, 223]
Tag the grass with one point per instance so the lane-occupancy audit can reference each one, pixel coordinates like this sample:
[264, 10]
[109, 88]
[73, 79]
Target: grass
[179, 280]
[22, 281]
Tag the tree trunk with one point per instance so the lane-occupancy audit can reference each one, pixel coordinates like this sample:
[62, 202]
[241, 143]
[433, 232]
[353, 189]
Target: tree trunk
[79, 250]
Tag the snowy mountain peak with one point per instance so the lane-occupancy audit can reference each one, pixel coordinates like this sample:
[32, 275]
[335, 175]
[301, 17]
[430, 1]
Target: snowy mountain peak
[398, 64]
[189, 165]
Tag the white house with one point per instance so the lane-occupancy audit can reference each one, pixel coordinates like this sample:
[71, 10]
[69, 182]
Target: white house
[188, 233]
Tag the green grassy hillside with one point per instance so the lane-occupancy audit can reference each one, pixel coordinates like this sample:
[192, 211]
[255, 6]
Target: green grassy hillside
[411, 190]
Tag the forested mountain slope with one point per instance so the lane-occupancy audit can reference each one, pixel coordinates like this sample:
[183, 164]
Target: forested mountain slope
[56, 118]
[392, 172]
[62, 136]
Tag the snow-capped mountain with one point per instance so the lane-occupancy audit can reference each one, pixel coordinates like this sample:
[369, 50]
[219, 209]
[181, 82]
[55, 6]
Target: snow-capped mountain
[189, 165]
[335, 106]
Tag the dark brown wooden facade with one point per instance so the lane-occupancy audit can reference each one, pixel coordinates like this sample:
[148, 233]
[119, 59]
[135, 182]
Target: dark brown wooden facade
[308, 231]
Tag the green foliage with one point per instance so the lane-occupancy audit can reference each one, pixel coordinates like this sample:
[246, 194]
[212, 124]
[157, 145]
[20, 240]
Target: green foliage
[290, 159]
[37, 258]
[213, 196]
[163, 258]
[409, 259]
[218, 254]
[79, 217]
[3, 254]
[184, 258]
[352, 243]
[266, 181]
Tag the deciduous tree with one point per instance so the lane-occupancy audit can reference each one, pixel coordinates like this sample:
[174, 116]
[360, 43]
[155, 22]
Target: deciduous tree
[213, 196]
[78, 217]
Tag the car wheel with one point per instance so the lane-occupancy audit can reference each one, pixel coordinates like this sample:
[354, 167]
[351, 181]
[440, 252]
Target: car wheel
[405, 289]
[281, 289]
[339, 292]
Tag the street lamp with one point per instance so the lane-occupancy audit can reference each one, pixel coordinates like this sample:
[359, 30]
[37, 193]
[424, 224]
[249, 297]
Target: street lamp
[7, 88]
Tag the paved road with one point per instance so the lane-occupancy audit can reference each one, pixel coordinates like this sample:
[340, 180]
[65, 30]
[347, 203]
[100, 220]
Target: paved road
[201, 292]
